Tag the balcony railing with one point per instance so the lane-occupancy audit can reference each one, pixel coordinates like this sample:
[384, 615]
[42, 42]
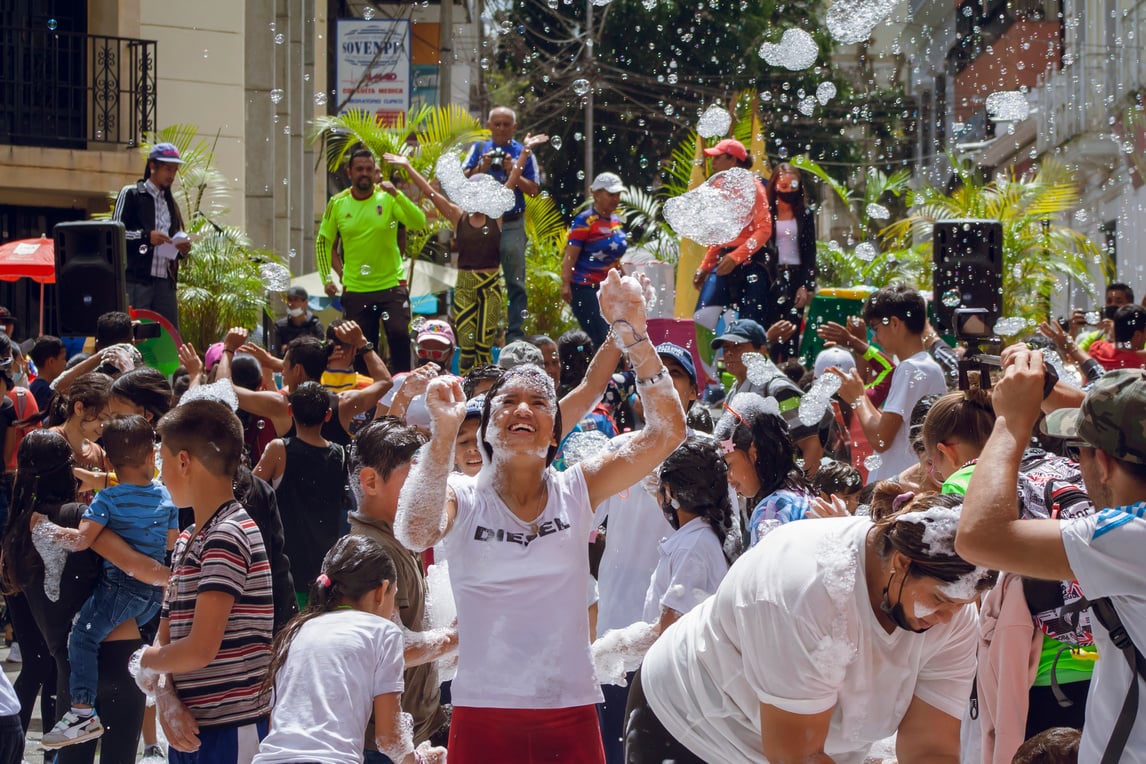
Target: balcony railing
[1082, 96]
[69, 90]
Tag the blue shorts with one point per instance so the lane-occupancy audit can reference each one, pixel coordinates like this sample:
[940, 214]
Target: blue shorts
[224, 745]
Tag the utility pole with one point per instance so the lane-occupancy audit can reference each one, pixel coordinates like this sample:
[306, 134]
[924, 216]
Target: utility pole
[589, 42]
[445, 50]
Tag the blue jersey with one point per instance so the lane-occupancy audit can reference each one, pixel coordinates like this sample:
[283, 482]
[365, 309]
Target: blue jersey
[602, 242]
[140, 514]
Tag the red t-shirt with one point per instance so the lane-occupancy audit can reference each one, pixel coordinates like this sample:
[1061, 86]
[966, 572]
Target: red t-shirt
[1113, 357]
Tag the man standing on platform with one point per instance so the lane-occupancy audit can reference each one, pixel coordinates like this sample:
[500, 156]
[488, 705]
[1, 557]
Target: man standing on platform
[495, 158]
[365, 218]
[154, 233]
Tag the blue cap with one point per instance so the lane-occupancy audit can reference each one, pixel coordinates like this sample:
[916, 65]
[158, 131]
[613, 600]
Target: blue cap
[740, 331]
[165, 152]
[680, 355]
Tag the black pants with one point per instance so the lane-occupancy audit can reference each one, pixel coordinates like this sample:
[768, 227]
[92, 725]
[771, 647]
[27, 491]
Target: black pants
[750, 288]
[119, 704]
[1044, 711]
[646, 739]
[38, 669]
[391, 309]
[11, 740]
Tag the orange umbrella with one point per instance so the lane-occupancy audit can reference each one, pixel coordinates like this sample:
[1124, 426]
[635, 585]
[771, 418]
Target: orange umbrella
[29, 259]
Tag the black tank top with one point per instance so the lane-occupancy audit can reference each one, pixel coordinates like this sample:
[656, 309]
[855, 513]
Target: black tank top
[313, 499]
[478, 248]
[332, 428]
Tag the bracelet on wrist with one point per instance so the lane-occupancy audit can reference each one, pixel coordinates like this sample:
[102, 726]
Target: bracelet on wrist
[663, 373]
[858, 401]
[616, 335]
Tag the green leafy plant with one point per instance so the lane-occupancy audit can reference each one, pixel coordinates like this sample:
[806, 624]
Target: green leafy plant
[545, 231]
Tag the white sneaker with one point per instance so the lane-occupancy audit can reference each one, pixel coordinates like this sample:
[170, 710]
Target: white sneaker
[73, 729]
[14, 654]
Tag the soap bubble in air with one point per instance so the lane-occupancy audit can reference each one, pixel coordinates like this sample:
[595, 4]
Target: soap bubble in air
[1009, 327]
[555, 142]
[866, 251]
[951, 298]
[878, 212]
[320, 98]
[1007, 106]
[714, 122]
[851, 21]
[276, 95]
[873, 462]
[580, 86]
[807, 106]
[280, 38]
[368, 13]
[53, 25]
[796, 50]
[825, 92]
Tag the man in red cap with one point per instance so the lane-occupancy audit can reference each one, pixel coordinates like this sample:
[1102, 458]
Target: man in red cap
[154, 232]
[735, 275]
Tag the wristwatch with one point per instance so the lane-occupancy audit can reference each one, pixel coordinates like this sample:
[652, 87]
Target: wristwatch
[364, 349]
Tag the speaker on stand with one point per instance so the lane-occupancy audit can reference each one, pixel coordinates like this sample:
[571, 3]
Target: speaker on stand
[968, 276]
[90, 276]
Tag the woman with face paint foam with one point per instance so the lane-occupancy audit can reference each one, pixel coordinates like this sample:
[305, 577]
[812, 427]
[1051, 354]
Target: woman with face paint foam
[516, 540]
[824, 638]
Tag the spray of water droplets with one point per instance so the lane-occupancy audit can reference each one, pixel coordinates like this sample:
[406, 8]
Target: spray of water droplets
[479, 193]
[716, 211]
[796, 50]
[714, 122]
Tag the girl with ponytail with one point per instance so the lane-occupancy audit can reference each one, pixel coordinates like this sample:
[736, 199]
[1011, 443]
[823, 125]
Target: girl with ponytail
[343, 646]
[694, 496]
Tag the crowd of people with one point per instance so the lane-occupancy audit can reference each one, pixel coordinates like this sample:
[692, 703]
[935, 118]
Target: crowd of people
[400, 542]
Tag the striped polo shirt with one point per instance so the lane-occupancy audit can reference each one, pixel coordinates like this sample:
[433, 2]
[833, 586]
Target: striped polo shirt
[227, 556]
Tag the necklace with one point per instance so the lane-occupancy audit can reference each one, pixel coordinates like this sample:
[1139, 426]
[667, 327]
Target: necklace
[540, 508]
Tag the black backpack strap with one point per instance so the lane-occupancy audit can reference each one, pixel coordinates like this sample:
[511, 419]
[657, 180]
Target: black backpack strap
[1104, 611]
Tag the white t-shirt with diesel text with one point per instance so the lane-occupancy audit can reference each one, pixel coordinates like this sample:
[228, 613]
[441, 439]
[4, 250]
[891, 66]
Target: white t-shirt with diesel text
[521, 593]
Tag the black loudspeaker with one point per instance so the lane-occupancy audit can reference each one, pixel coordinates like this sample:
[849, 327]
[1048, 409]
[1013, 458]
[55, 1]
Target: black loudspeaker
[90, 277]
[968, 260]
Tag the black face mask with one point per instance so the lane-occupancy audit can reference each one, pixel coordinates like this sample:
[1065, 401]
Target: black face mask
[895, 612]
[670, 511]
[791, 197]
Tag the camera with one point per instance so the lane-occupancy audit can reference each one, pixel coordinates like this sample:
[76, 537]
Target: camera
[497, 156]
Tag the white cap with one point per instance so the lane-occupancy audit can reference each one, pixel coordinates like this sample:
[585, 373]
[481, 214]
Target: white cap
[608, 181]
[836, 356]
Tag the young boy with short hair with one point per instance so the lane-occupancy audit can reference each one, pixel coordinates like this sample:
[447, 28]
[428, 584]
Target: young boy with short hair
[140, 511]
[214, 640]
[897, 316]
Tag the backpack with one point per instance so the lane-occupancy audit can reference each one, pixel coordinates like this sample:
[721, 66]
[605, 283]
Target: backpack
[1051, 486]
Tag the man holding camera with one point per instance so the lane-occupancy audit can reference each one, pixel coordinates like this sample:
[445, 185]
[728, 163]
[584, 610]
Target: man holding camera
[495, 158]
[1102, 551]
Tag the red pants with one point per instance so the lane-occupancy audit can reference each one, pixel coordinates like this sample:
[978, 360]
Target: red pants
[525, 736]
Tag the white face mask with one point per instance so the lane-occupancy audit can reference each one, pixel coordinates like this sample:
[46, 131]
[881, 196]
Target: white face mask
[21, 379]
[295, 312]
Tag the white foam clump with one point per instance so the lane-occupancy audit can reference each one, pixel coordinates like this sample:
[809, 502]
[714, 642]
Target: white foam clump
[1010, 326]
[866, 251]
[851, 21]
[479, 193]
[53, 554]
[580, 446]
[441, 612]
[620, 651]
[939, 526]
[873, 462]
[838, 563]
[716, 211]
[403, 744]
[796, 50]
[814, 403]
[877, 211]
[1067, 374]
[966, 586]
[221, 391]
[275, 277]
[1008, 106]
[714, 122]
[825, 92]
[807, 106]
[748, 406]
[146, 679]
[759, 369]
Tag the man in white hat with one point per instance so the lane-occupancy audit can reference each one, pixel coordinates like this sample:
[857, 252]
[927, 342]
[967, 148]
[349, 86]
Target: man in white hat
[595, 246]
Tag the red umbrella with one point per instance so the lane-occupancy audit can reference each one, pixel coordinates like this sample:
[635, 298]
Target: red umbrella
[29, 259]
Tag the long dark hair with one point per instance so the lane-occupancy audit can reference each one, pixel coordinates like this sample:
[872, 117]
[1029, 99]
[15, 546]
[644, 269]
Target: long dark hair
[145, 387]
[354, 566]
[775, 464]
[697, 475]
[89, 389]
[575, 350]
[44, 463]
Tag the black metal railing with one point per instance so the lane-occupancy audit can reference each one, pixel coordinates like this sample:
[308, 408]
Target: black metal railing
[68, 89]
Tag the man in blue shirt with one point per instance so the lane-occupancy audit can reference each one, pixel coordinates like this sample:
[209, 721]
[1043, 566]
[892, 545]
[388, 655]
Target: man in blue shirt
[495, 158]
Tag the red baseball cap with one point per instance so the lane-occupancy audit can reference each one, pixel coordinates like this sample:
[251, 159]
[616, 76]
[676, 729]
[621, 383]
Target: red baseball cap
[729, 146]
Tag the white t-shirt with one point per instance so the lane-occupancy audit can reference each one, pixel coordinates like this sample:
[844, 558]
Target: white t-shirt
[1105, 553]
[9, 703]
[788, 241]
[523, 627]
[692, 564]
[324, 691]
[792, 626]
[636, 526]
[914, 378]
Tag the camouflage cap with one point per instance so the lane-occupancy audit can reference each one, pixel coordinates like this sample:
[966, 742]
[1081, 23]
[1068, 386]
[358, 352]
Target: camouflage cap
[1112, 416]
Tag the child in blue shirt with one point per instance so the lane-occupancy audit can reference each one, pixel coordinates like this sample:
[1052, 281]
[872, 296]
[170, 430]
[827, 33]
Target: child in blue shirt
[140, 511]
